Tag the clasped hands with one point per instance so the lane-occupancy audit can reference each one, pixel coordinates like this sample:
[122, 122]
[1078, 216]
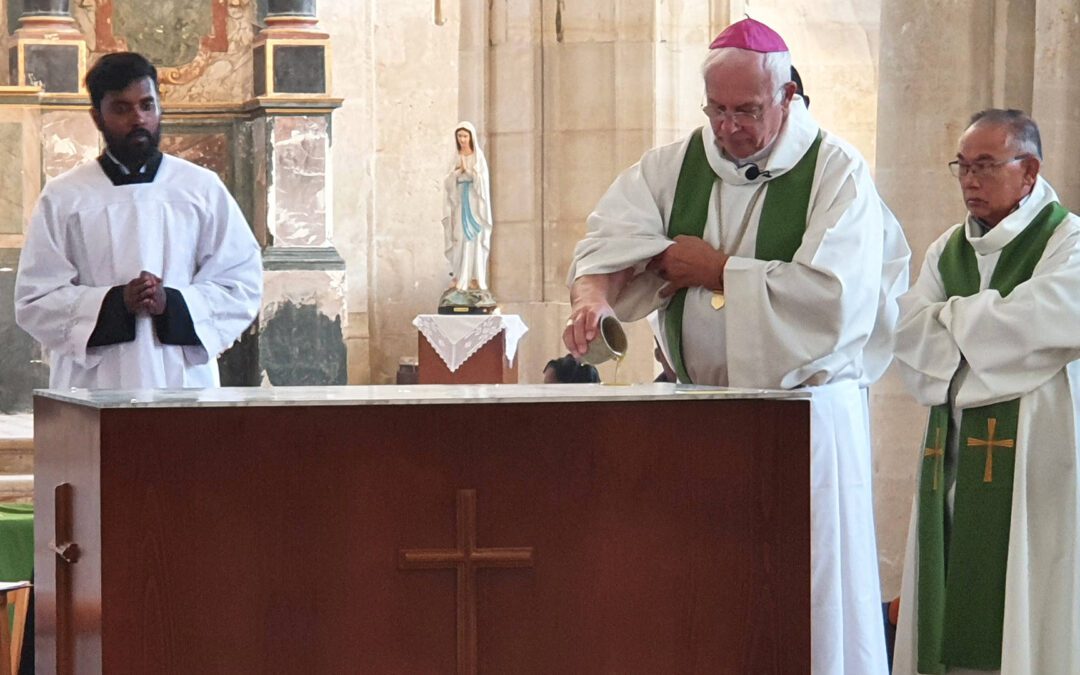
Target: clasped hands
[145, 294]
[689, 262]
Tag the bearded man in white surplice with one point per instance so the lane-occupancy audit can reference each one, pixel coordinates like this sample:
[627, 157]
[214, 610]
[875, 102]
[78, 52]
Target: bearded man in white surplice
[139, 268]
[989, 336]
[774, 263]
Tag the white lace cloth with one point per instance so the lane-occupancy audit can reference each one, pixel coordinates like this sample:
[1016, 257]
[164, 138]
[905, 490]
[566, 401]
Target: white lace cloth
[457, 337]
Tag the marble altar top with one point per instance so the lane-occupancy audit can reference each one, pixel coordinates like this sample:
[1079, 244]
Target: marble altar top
[431, 394]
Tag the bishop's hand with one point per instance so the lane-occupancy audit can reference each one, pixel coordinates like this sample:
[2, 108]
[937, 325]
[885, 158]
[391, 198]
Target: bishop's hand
[689, 262]
[583, 324]
[591, 296]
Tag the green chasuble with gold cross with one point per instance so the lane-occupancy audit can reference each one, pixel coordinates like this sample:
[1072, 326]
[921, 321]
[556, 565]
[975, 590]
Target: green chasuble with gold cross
[780, 227]
[962, 561]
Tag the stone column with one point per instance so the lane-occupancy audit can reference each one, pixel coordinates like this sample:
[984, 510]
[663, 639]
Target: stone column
[931, 81]
[47, 50]
[474, 66]
[514, 135]
[1056, 95]
[301, 327]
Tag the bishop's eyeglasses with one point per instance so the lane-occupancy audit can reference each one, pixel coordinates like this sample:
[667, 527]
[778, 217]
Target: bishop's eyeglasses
[981, 168]
[741, 118]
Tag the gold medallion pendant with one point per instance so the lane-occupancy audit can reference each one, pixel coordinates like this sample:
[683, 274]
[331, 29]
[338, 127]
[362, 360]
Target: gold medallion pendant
[718, 301]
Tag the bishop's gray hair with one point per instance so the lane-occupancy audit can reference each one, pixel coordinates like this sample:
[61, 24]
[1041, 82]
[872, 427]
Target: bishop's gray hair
[776, 64]
[1023, 132]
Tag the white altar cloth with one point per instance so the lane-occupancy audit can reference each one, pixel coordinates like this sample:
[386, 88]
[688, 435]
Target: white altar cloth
[456, 337]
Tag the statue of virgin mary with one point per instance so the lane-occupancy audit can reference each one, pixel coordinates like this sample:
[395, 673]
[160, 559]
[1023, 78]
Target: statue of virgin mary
[467, 226]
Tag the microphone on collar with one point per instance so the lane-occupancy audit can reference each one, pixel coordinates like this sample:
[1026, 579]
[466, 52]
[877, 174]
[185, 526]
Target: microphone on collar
[753, 172]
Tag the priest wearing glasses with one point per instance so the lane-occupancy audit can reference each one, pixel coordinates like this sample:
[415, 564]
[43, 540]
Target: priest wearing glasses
[139, 268]
[989, 339]
[774, 263]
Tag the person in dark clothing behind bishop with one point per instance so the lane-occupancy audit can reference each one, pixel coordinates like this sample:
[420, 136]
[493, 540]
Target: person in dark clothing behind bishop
[799, 87]
[139, 268]
[567, 370]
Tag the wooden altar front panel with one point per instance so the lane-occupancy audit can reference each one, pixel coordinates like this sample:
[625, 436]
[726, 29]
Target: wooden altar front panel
[669, 536]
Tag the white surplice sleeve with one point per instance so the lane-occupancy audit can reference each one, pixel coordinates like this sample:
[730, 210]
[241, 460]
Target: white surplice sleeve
[226, 291]
[1015, 344]
[926, 352]
[627, 228]
[51, 303]
[807, 321]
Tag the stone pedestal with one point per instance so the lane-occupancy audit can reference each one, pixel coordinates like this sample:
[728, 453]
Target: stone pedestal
[301, 337]
[291, 56]
[488, 365]
[47, 50]
[301, 326]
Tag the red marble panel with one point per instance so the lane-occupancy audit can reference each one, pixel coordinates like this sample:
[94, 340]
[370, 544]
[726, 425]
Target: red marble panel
[209, 150]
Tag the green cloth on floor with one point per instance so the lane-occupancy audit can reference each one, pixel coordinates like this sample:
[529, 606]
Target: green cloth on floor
[16, 544]
[16, 541]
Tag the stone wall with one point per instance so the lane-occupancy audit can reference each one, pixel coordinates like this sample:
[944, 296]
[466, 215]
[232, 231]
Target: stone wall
[398, 74]
[354, 141]
[834, 45]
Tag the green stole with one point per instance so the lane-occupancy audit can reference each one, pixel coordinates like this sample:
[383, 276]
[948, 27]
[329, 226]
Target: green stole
[780, 227]
[961, 589]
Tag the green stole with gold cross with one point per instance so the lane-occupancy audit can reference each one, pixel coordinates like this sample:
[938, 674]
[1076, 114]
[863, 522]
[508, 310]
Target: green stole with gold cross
[780, 227]
[961, 568]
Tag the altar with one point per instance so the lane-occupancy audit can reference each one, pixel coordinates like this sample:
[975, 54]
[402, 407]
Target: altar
[423, 529]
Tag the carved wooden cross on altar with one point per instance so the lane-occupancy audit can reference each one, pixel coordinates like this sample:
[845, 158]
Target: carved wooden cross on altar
[990, 443]
[467, 558]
